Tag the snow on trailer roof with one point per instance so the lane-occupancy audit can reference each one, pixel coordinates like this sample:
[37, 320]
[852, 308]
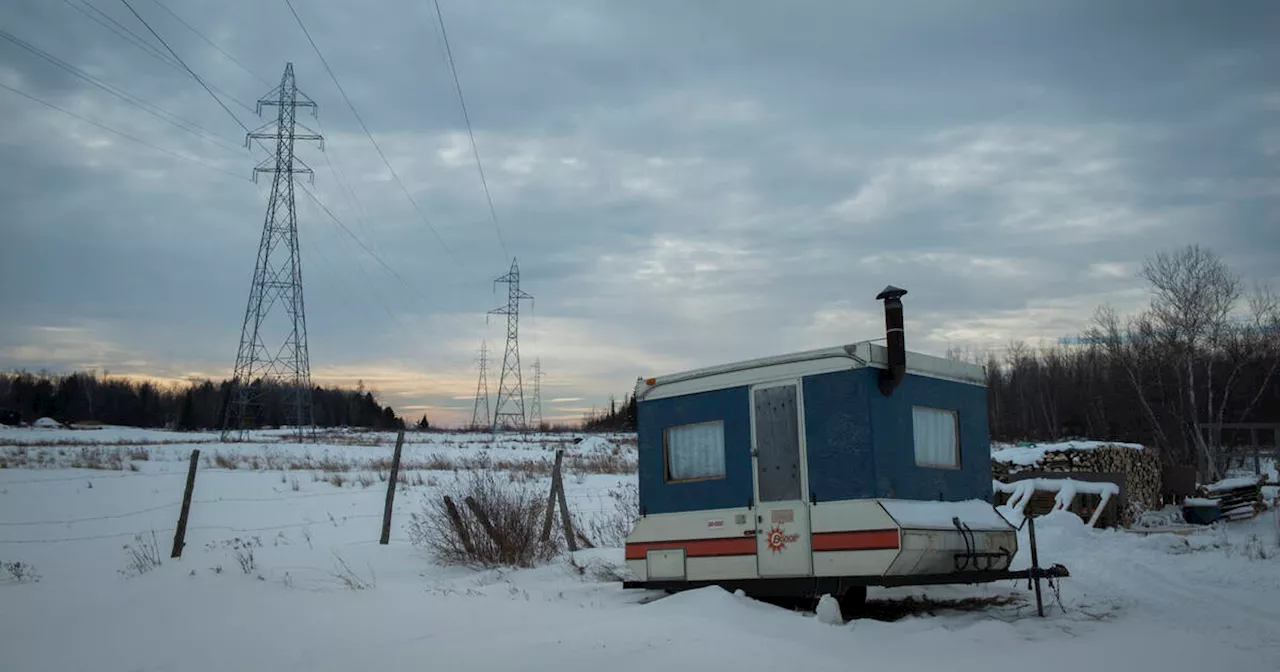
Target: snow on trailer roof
[973, 513]
[808, 362]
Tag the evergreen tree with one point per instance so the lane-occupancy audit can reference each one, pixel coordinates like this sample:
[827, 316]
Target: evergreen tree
[187, 413]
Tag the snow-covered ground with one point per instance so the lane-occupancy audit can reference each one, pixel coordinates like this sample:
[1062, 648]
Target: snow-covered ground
[1134, 602]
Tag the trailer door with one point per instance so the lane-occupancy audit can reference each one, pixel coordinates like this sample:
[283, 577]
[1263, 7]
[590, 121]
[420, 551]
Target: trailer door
[782, 515]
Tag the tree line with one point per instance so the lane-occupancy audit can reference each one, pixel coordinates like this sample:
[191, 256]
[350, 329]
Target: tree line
[196, 405]
[1205, 352]
[619, 417]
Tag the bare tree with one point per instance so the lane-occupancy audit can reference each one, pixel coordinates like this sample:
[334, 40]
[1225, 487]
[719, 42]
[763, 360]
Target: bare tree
[1194, 296]
[1127, 348]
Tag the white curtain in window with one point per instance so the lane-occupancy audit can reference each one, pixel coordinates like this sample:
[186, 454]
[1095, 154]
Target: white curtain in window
[695, 451]
[935, 437]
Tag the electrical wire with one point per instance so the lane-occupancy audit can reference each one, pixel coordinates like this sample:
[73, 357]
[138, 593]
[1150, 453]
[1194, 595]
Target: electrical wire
[146, 47]
[369, 134]
[353, 236]
[210, 42]
[466, 117]
[308, 192]
[122, 134]
[344, 185]
[120, 30]
[154, 110]
[184, 64]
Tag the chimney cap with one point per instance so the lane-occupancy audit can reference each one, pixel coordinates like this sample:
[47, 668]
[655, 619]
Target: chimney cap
[890, 292]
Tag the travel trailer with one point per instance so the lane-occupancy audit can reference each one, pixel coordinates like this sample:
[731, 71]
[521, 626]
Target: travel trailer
[819, 472]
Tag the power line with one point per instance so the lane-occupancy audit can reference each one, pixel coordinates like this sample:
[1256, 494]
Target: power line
[154, 110]
[369, 134]
[119, 29]
[344, 184]
[147, 48]
[121, 133]
[373, 254]
[462, 102]
[305, 190]
[184, 64]
[210, 42]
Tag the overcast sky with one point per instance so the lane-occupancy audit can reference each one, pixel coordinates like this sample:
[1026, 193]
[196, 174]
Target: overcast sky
[684, 183]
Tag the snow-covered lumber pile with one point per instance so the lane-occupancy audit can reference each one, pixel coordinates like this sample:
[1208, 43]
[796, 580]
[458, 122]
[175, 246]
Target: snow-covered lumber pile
[1237, 497]
[1064, 492]
[1138, 466]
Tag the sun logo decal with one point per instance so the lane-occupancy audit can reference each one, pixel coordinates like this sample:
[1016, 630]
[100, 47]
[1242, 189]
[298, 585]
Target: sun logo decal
[778, 539]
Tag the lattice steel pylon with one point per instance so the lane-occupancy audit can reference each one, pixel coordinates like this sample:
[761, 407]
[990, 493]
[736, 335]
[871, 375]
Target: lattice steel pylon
[510, 383]
[273, 357]
[479, 419]
[535, 409]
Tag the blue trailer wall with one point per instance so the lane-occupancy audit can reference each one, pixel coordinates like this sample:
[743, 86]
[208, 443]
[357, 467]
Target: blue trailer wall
[897, 475]
[732, 406]
[837, 427]
[860, 444]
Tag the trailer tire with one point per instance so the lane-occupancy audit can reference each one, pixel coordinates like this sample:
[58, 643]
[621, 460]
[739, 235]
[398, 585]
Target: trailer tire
[852, 601]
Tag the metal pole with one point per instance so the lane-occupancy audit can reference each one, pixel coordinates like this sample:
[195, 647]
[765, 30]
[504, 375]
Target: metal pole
[1035, 565]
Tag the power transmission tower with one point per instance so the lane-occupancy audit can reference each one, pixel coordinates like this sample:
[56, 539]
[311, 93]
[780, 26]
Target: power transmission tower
[535, 411]
[482, 390]
[262, 372]
[509, 411]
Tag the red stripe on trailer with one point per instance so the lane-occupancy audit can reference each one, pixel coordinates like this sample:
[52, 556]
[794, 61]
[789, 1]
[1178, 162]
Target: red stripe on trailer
[861, 540]
[696, 548]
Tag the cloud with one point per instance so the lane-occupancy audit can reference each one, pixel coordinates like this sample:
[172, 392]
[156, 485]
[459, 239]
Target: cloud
[682, 186]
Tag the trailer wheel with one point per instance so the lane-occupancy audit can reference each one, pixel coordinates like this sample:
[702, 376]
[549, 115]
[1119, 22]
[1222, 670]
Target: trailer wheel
[852, 600]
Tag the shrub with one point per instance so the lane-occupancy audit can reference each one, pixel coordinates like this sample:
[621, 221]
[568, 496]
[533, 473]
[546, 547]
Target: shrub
[143, 553]
[349, 578]
[610, 528]
[97, 458]
[19, 572]
[1255, 550]
[242, 549]
[515, 513]
[601, 463]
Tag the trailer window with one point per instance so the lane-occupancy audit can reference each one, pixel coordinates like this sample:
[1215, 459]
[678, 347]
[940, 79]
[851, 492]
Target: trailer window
[936, 437]
[695, 452]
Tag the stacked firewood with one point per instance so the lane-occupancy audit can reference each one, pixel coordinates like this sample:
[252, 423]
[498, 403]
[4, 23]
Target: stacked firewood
[1237, 497]
[1140, 468]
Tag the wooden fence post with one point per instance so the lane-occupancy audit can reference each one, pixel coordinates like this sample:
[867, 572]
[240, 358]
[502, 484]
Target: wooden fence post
[551, 499]
[180, 535]
[456, 519]
[391, 491]
[557, 489]
[488, 527]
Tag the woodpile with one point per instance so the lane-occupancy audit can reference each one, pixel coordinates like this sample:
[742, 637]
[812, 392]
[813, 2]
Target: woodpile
[1237, 498]
[1139, 469]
